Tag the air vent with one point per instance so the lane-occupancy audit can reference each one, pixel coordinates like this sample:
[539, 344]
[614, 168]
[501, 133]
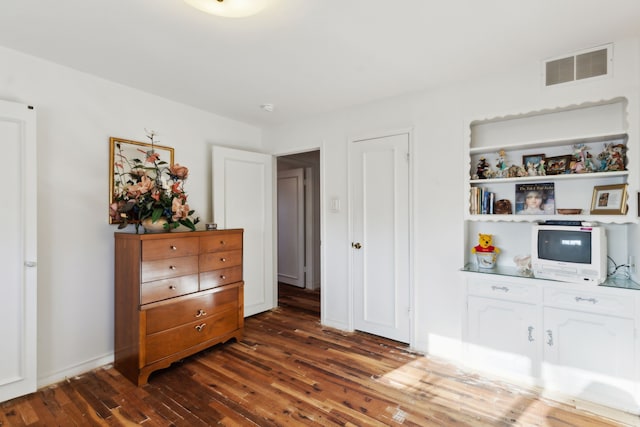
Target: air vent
[579, 66]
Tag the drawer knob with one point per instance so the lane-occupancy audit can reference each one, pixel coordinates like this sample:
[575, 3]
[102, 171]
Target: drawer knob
[223, 277]
[222, 243]
[172, 287]
[173, 248]
[223, 259]
[199, 328]
[201, 313]
[172, 267]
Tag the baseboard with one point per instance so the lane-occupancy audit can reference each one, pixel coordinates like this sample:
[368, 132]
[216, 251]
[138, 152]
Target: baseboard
[75, 370]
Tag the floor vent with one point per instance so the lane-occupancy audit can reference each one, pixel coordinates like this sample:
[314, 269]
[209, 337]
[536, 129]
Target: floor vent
[582, 65]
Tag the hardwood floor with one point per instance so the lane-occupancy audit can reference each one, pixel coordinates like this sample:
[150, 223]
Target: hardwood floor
[289, 370]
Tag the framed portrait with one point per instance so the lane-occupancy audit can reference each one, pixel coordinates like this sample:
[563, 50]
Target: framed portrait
[609, 200]
[557, 165]
[123, 153]
[534, 159]
[535, 199]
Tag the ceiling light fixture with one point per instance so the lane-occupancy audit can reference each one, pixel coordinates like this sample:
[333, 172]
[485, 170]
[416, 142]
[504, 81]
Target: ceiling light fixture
[268, 107]
[229, 8]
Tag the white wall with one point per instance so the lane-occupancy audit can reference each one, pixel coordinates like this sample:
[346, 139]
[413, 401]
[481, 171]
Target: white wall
[77, 113]
[439, 119]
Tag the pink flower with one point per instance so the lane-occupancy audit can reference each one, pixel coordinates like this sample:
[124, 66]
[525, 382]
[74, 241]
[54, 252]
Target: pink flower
[179, 210]
[140, 188]
[180, 172]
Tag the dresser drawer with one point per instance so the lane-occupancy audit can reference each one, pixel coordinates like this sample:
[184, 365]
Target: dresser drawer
[221, 242]
[504, 290]
[168, 288]
[218, 260]
[166, 343]
[167, 268]
[192, 308]
[225, 276]
[585, 300]
[169, 248]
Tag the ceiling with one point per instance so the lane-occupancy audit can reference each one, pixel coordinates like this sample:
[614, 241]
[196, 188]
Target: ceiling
[306, 57]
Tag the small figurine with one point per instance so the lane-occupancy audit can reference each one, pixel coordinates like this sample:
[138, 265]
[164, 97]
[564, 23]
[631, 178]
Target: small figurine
[483, 168]
[541, 169]
[501, 165]
[531, 169]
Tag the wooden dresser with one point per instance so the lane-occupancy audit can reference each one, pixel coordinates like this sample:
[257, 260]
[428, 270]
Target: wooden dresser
[176, 293]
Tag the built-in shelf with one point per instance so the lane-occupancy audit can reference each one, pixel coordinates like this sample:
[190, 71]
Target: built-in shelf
[540, 144]
[539, 178]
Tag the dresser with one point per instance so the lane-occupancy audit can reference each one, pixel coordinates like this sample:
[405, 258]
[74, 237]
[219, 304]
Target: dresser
[176, 294]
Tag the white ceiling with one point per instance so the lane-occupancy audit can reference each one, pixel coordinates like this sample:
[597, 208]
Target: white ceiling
[305, 56]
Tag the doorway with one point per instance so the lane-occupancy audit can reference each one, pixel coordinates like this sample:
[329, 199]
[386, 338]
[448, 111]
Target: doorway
[298, 213]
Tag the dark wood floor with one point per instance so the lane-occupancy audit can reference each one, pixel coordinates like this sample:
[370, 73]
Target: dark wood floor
[289, 370]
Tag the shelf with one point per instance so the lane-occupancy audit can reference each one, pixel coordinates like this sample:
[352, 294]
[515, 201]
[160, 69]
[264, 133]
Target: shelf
[602, 219]
[584, 139]
[567, 176]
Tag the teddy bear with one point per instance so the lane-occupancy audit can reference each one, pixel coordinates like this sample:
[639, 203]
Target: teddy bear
[485, 244]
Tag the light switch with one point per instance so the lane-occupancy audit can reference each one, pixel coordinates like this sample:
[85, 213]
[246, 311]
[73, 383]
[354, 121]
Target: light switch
[335, 205]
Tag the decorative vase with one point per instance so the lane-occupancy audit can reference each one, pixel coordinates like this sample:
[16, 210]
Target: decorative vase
[155, 227]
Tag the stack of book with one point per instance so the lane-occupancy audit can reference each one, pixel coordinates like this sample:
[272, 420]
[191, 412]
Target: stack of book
[481, 202]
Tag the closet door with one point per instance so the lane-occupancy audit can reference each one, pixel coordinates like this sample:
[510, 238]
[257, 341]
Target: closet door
[18, 252]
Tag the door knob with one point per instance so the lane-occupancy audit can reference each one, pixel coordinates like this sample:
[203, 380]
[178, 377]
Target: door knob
[356, 245]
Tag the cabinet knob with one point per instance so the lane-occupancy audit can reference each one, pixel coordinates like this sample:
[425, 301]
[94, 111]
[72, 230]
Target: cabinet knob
[222, 243]
[199, 328]
[223, 259]
[173, 248]
[223, 276]
[172, 287]
[172, 267]
[201, 313]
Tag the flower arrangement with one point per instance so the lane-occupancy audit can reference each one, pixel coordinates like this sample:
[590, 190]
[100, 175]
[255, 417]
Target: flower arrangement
[150, 189]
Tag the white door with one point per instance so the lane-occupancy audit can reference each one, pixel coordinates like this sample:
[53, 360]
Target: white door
[379, 203]
[243, 198]
[590, 355]
[503, 336]
[18, 252]
[291, 241]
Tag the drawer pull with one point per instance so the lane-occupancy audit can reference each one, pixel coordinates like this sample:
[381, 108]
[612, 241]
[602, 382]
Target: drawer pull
[223, 277]
[550, 337]
[223, 259]
[500, 288]
[199, 328]
[173, 248]
[201, 313]
[531, 339]
[172, 267]
[172, 287]
[591, 300]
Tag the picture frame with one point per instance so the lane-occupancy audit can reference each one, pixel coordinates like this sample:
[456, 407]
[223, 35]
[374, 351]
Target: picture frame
[609, 199]
[542, 195]
[534, 159]
[557, 165]
[127, 149]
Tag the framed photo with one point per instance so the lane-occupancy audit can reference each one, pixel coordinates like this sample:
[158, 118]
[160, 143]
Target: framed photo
[557, 165]
[535, 199]
[534, 159]
[609, 200]
[123, 153]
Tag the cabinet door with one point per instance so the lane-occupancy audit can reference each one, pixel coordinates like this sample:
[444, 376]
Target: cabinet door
[590, 356]
[503, 336]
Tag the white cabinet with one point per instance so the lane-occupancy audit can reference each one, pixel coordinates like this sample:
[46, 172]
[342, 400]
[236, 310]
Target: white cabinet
[589, 346]
[570, 339]
[503, 327]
